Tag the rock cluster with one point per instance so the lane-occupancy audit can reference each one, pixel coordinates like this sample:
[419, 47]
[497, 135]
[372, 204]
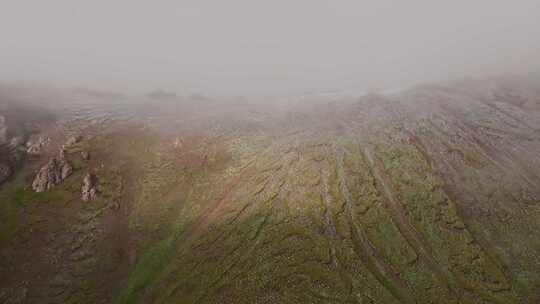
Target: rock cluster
[34, 147]
[89, 190]
[74, 139]
[54, 172]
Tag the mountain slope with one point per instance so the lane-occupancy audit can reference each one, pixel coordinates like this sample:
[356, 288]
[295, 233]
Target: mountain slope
[426, 196]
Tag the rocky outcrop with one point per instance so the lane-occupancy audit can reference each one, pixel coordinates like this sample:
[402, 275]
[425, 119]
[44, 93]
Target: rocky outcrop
[178, 143]
[85, 155]
[89, 190]
[34, 147]
[53, 173]
[74, 139]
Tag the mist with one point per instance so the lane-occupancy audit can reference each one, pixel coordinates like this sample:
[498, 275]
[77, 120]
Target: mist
[299, 151]
[242, 47]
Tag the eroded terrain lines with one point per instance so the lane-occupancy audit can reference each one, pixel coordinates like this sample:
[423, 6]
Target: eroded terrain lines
[329, 222]
[198, 227]
[402, 223]
[277, 172]
[451, 179]
[258, 201]
[212, 211]
[457, 286]
[368, 254]
[497, 156]
[251, 247]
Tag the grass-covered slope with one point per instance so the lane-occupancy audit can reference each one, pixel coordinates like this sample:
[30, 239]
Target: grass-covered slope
[429, 196]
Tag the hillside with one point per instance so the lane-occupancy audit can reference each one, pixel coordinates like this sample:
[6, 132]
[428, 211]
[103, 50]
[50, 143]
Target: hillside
[429, 195]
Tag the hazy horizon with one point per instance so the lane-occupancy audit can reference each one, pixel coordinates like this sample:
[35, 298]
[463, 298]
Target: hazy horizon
[252, 48]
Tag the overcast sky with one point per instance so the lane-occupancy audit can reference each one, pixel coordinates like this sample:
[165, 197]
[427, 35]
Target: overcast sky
[244, 47]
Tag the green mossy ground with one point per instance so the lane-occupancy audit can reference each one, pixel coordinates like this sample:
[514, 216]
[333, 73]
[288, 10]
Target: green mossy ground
[259, 220]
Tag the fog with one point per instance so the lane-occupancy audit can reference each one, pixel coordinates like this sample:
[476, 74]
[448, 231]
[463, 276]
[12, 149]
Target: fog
[241, 47]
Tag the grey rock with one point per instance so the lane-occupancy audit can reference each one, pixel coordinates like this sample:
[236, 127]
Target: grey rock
[89, 190]
[34, 147]
[67, 170]
[85, 155]
[53, 173]
[73, 140]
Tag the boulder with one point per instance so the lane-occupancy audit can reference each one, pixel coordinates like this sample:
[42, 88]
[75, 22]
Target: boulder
[85, 155]
[178, 143]
[89, 190]
[73, 140]
[53, 173]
